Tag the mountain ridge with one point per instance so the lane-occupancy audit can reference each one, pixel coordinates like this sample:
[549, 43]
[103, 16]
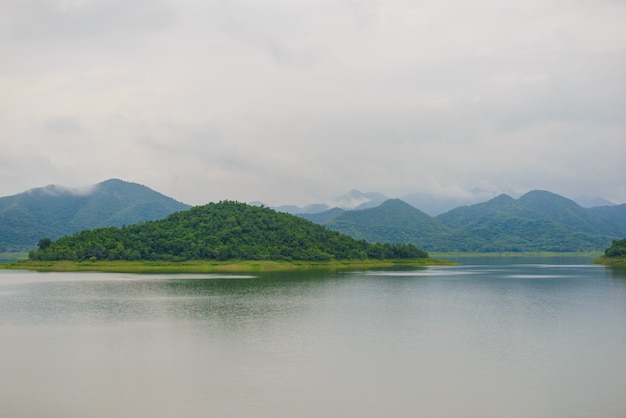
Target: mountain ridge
[537, 221]
[53, 211]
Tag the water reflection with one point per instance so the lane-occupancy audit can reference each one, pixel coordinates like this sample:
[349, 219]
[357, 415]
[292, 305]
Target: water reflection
[617, 272]
[514, 340]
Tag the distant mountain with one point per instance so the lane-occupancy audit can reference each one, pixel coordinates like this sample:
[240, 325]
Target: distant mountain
[565, 212]
[356, 200]
[431, 204]
[592, 202]
[614, 215]
[394, 221]
[322, 217]
[435, 204]
[54, 211]
[349, 201]
[537, 221]
[500, 207]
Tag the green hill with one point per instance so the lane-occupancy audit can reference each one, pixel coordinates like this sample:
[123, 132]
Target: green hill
[614, 216]
[322, 217]
[54, 211]
[219, 231]
[495, 210]
[565, 212]
[394, 221]
[537, 221]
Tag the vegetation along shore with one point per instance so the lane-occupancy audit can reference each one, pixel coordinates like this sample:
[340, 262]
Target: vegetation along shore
[208, 266]
[615, 255]
[225, 236]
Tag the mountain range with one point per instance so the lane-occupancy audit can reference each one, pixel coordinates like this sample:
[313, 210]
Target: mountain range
[429, 203]
[353, 200]
[55, 211]
[536, 221]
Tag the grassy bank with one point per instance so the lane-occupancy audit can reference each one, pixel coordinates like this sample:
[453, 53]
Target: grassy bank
[611, 261]
[13, 256]
[201, 266]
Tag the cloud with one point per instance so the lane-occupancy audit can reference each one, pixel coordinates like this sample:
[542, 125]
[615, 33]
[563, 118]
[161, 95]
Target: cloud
[81, 20]
[298, 102]
[57, 190]
[62, 125]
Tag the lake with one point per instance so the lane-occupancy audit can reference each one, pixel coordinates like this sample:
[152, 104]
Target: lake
[494, 337]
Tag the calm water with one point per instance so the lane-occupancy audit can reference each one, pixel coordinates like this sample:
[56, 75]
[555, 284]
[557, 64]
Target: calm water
[481, 340]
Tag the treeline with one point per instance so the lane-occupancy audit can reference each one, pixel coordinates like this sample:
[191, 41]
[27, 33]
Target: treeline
[219, 231]
[617, 249]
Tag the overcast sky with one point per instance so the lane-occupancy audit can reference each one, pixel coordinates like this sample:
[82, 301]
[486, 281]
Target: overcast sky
[299, 101]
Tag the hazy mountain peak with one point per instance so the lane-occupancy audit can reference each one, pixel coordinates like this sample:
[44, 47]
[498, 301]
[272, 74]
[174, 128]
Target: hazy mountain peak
[436, 204]
[592, 202]
[541, 194]
[53, 211]
[355, 199]
[545, 198]
[503, 198]
[57, 190]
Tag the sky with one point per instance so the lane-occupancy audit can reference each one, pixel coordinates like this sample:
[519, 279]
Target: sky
[300, 101]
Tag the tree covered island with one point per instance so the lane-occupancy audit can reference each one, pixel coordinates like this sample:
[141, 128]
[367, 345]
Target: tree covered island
[220, 232]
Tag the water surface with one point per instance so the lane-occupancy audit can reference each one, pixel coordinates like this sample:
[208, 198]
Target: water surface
[505, 339]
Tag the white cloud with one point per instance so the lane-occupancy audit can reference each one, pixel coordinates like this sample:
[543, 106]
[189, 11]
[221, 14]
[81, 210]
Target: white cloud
[299, 102]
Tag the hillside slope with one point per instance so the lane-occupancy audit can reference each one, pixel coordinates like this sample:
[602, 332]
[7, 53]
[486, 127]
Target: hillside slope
[55, 211]
[219, 231]
[614, 216]
[564, 211]
[537, 221]
[394, 221]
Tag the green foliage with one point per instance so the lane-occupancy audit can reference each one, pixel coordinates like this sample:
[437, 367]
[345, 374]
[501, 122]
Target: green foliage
[564, 211]
[220, 231]
[615, 216]
[394, 221]
[617, 249]
[44, 243]
[54, 212]
[538, 221]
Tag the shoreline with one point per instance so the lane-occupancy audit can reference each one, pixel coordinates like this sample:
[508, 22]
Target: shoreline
[611, 261]
[211, 266]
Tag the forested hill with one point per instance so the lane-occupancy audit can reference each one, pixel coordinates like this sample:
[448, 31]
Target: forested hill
[219, 231]
[537, 221]
[55, 211]
[392, 221]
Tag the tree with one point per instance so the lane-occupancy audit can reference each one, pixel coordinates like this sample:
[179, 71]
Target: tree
[44, 243]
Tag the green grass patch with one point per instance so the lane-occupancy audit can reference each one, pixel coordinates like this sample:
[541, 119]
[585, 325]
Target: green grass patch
[201, 266]
[611, 261]
[14, 256]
